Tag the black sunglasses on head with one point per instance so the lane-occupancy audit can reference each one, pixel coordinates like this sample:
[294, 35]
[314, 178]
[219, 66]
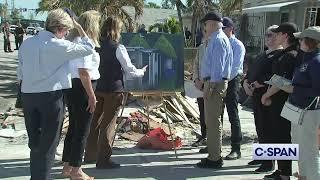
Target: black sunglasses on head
[70, 13]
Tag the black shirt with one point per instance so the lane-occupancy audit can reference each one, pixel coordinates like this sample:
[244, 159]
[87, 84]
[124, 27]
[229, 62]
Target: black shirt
[284, 66]
[261, 69]
[111, 75]
[19, 31]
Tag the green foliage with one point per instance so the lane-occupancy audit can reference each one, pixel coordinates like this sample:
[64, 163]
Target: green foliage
[152, 5]
[3, 10]
[167, 4]
[227, 7]
[16, 14]
[173, 25]
[170, 26]
[165, 47]
[138, 41]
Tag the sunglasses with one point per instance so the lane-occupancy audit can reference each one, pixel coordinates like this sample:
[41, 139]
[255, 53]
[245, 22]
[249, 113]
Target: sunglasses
[70, 13]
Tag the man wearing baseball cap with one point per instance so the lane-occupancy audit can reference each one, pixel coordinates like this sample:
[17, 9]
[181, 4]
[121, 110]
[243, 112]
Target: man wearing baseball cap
[215, 73]
[232, 96]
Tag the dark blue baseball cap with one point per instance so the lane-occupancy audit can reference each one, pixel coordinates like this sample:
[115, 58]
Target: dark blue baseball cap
[227, 22]
[214, 16]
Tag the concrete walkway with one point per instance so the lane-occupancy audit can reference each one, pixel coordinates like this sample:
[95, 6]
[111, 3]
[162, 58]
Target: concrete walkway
[136, 163]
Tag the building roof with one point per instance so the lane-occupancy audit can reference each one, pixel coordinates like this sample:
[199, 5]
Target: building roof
[275, 7]
[151, 16]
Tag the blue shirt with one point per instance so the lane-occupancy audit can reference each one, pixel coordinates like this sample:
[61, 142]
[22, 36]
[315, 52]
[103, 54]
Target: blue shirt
[306, 81]
[43, 62]
[218, 58]
[239, 52]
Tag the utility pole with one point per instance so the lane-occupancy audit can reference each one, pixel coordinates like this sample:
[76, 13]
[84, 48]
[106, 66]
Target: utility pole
[12, 4]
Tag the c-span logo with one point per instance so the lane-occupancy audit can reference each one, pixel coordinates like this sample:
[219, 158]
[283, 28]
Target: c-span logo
[276, 152]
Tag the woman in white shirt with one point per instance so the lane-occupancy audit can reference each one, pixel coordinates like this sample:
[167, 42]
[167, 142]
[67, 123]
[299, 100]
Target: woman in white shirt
[81, 100]
[44, 74]
[115, 63]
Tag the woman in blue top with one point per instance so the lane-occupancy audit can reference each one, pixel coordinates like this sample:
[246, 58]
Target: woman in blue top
[305, 89]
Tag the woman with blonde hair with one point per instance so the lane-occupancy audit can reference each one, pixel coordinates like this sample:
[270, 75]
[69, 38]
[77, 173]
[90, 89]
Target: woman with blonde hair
[44, 73]
[80, 98]
[115, 63]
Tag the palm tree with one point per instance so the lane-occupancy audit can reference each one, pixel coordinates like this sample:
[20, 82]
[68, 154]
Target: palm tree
[198, 9]
[106, 7]
[229, 6]
[3, 10]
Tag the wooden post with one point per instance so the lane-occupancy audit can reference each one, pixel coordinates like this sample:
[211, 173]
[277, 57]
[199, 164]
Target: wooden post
[172, 139]
[122, 109]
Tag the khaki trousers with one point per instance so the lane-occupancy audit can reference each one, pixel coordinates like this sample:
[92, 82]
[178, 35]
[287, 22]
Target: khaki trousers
[306, 136]
[213, 104]
[103, 126]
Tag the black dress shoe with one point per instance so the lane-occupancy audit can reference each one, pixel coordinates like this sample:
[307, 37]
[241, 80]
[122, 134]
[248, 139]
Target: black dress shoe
[274, 176]
[254, 163]
[203, 150]
[233, 155]
[264, 169]
[206, 163]
[108, 165]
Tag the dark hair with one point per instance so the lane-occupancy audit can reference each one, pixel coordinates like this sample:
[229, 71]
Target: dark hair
[311, 43]
[292, 40]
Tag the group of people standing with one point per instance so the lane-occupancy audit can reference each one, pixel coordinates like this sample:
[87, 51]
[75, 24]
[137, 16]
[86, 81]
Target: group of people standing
[294, 56]
[218, 69]
[80, 64]
[18, 34]
[217, 72]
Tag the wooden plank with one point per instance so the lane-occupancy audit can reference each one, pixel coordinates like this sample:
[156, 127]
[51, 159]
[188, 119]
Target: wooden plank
[162, 115]
[152, 117]
[188, 107]
[175, 102]
[132, 136]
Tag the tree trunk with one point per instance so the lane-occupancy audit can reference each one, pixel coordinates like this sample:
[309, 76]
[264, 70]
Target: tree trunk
[180, 16]
[193, 29]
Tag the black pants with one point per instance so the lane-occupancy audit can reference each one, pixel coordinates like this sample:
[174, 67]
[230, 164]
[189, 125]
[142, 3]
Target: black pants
[231, 101]
[18, 41]
[43, 114]
[260, 113]
[79, 123]
[7, 45]
[278, 129]
[202, 120]
[261, 119]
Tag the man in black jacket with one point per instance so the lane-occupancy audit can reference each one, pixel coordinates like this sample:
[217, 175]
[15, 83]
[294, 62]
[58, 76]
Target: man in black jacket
[18, 34]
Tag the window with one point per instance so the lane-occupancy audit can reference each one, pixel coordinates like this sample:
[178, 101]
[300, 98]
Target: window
[312, 17]
[284, 17]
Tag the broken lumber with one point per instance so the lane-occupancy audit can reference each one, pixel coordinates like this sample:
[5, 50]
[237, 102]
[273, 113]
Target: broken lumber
[175, 102]
[188, 107]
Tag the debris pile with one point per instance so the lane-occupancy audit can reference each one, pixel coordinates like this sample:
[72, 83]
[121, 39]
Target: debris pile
[8, 121]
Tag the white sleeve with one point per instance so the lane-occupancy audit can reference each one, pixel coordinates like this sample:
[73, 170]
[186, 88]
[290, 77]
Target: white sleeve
[129, 69]
[71, 50]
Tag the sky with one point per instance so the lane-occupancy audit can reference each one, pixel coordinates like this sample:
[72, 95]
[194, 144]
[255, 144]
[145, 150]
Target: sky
[33, 4]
